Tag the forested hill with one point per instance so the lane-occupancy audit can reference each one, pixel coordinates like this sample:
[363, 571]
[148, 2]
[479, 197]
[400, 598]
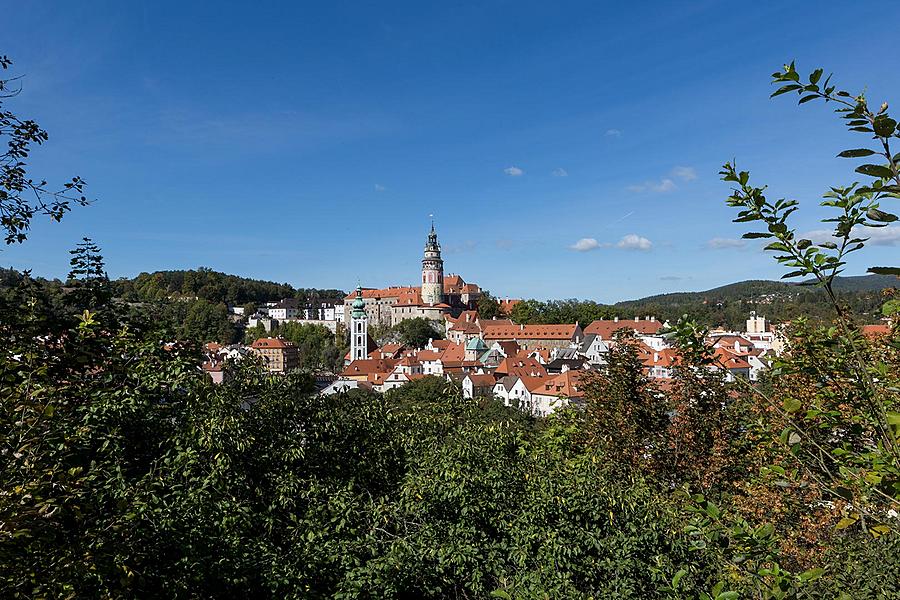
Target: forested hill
[216, 287]
[755, 288]
[779, 301]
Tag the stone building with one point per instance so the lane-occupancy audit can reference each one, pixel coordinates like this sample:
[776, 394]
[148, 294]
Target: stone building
[437, 297]
[280, 356]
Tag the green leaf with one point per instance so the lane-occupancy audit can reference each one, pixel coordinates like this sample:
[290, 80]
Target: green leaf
[875, 171]
[858, 152]
[880, 216]
[500, 594]
[806, 99]
[752, 235]
[678, 576]
[791, 405]
[812, 574]
[727, 596]
[795, 274]
[884, 126]
[815, 76]
[845, 523]
[785, 89]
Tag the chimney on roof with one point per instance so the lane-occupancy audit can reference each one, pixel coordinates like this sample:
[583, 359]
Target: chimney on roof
[615, 319]
[653, 319]
[522, 327]
[647, 318]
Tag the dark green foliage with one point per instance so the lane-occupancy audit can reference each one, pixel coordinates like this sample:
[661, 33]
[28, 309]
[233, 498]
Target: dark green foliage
[216, 287]
[561, 311]
[488, 307]
[415, 333]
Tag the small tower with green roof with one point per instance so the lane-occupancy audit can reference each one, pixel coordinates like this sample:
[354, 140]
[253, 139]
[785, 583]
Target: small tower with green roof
[359, 328]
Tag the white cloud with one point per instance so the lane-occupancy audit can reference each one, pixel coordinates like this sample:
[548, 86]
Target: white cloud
[585, 244]
[718, 243]
[613, 133]
[660, 187]
[684, 173]
[883, 236]
[560, 172]
[380, 188]
[878, 236]
[633, 241]
[513, 171]
[666, 184]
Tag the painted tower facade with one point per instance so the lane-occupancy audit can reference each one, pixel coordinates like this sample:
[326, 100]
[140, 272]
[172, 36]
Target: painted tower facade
[359, 328]
[432, 271]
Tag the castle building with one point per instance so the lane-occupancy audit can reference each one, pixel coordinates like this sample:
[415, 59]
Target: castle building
[437, 297]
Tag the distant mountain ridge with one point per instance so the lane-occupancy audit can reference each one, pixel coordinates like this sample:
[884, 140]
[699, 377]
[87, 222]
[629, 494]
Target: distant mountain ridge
[756, 288]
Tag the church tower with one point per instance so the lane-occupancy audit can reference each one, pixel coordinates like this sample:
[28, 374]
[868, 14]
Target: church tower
[359, 328]
[432, 271]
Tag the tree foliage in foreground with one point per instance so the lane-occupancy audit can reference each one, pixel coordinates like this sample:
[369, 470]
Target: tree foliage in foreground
[21, 196]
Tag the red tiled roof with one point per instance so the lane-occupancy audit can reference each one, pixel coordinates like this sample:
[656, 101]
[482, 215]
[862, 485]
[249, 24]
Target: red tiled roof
[277, 343]
[566, 384]
[606, 327]
[481, 379]
[730, 360]
[520, 365]
[424, 355]
[369, 366]
[874, 331]
[563, 331]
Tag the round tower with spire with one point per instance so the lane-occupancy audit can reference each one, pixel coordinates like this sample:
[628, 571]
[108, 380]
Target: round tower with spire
[359, 325]
[432, 271]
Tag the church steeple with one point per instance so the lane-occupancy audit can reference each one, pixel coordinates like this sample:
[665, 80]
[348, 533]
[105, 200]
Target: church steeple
[432, 270]
[359, 328]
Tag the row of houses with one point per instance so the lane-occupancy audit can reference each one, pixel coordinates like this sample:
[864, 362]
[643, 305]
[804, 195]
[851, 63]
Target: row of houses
[541, 367]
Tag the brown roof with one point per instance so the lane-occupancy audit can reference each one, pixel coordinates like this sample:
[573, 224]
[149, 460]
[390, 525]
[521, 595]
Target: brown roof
[276, 343]
[562, 331]
[606, 327]
[873, 331]
[481, 379]
[369, 366]
[520, 365]
[566, 384]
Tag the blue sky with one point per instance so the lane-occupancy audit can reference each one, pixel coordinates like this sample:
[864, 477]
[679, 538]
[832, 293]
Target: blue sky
[309, 142]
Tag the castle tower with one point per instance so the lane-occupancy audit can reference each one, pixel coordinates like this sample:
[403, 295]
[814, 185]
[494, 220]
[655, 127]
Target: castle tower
[432, 271]
[359, 328]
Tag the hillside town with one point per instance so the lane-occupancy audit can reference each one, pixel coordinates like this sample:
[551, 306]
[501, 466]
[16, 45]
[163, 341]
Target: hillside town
[535, 367]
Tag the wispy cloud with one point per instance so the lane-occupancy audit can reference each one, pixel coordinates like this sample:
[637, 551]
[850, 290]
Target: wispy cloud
[560, 172]
[720, 243]
[514, 171]
[613, 133]
[585, 245]
[380, 188]
[633, 241]
[464, 247]
[665, 184]
[685, 173]
[878, 236]
[660, 187]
